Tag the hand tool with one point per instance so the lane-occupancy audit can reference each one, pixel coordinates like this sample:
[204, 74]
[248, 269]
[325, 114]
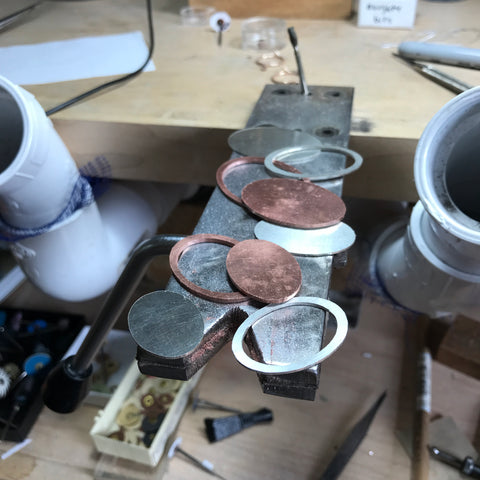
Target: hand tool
[441, 53]
[447, 81]
[204, 465]
[351, 443]
[467, 466]
[294, 41]
[220, 428]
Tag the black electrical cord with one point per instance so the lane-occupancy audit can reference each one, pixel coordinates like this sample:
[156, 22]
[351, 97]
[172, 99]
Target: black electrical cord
[121, 79]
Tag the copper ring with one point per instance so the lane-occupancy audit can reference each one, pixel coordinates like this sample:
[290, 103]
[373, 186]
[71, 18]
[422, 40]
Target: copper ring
[227, 167]
[175, 255]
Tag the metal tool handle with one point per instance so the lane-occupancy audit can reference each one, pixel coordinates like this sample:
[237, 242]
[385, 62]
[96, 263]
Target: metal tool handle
[67, 383]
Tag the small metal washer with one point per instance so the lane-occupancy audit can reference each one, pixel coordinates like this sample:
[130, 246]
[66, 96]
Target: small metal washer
[285, 154]
[284, 368]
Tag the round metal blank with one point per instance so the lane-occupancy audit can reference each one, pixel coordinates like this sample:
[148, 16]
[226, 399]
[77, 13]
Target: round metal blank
[165, 324]
[283, 368]
[317, 242]
[264, 271]
[260, 141]
[293, 203]
[294, 156]
[187, 242]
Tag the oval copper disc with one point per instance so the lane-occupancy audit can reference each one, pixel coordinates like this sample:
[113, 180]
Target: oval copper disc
[226, 167]
[187, 242]
[293, 203]
[264, 271]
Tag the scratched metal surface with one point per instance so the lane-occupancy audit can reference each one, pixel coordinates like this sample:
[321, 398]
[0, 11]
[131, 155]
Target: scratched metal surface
[296, 334]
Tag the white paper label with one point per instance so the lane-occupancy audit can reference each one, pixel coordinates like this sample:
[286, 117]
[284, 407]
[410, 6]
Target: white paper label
[387, 13]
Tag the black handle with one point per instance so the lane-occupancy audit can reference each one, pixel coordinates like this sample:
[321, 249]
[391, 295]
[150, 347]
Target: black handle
[293, 37]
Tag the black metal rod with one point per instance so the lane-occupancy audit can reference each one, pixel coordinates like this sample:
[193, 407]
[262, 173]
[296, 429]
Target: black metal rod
[119, 296]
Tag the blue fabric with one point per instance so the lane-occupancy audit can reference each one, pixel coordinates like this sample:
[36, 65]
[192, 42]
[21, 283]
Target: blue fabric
[82, 196]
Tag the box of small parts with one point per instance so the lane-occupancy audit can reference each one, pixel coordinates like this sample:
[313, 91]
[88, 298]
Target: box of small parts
[140, 417]
[31, 344]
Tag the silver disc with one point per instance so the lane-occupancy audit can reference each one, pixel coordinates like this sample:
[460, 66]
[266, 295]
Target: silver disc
[165, 324]
[260, 141]
[316, 242]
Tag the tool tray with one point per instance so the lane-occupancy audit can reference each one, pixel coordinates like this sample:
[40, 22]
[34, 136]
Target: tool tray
[34, 341]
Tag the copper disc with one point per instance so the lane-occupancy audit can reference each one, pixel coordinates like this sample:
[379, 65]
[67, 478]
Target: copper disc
[264, 271]
[176, 253]
[226, 167]
[293, 203]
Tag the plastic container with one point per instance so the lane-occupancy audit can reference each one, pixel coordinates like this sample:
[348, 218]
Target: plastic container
[264, 33]
[196, 16]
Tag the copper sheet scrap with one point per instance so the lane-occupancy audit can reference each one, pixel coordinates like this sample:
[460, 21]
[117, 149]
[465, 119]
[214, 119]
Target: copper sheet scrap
[184, 244]
[293, 203]
[286, 167]
[264, 271]
[226, 167]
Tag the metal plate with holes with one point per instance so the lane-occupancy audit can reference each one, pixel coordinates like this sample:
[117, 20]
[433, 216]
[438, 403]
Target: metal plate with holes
[293, 203]
[264, 271]
[315, 163]
[324, 114]
[317, 242]
[260, 141]
[279, 367]
[165, 324]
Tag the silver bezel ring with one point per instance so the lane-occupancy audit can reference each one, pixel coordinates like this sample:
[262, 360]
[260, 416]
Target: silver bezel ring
[283, 154]
[278, 369]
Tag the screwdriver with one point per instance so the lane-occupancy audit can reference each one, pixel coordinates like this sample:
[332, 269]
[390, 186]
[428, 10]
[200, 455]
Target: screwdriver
[20, 396]
[204, 465]
[467, 466]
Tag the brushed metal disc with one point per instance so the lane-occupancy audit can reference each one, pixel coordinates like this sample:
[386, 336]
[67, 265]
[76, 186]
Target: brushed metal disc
[260, 141]
[316, 242]
[264, 271]
[293, 203]
[165, 324]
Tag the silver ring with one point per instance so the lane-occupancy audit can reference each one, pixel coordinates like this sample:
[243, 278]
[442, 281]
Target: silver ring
[335, 342]
[283, 155]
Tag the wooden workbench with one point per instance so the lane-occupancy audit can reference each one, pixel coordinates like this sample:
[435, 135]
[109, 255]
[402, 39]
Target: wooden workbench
[303, 436]
[173, 124]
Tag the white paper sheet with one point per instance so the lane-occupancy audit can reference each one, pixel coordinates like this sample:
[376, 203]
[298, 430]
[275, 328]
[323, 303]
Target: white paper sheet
[74, 59]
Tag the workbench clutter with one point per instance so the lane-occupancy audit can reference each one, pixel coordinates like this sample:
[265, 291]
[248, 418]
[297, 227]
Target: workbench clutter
[31, 343]
[141, 416]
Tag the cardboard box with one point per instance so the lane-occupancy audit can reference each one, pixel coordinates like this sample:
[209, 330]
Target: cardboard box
[106, 422]
[331, 9]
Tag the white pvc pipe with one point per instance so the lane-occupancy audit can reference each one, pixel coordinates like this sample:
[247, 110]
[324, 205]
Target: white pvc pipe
[81, 256]
[434, 266]
[37, 173]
